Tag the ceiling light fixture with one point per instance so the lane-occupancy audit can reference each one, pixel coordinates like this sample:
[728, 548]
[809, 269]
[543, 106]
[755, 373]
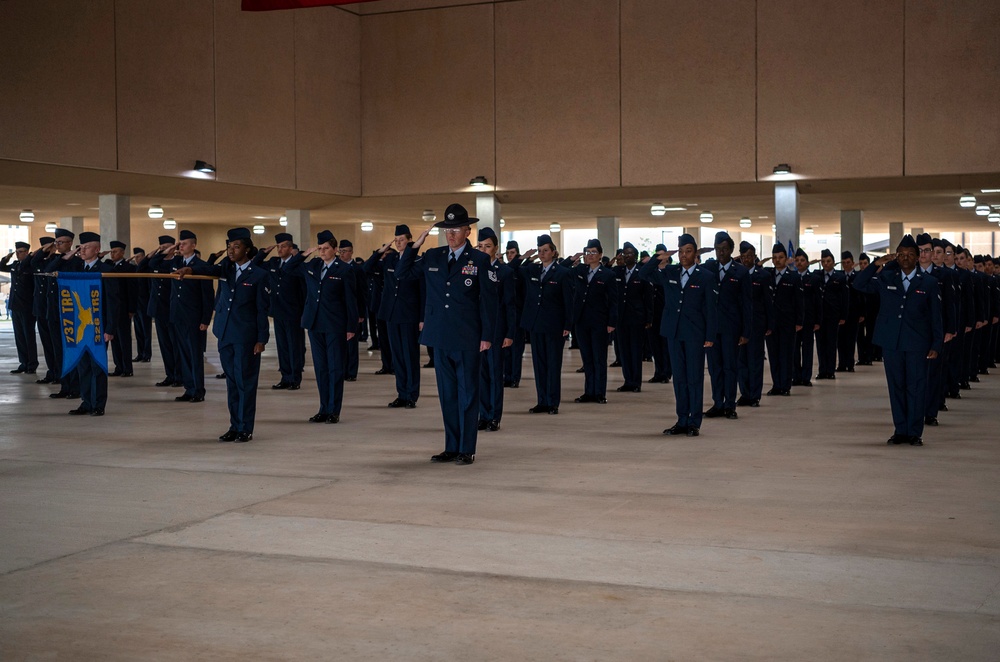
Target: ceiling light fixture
[50, 227]
[155, 211]
[502, 222]
[994, 217]
[435, 231]
[745, 222]
[782, 169]
[202, 166]
[478, 182]
[259, 229]
[555, 227]
[283, 221]
[429, 216]
[658, 209]
[27, 216]
[967, 200]
[169, 224]
[367, 226]
[706, 217]
[989, 190]
[982, 210]
[810, 231]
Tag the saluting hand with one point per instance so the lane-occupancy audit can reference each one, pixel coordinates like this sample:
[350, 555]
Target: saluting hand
[529, 254]
[420, 240]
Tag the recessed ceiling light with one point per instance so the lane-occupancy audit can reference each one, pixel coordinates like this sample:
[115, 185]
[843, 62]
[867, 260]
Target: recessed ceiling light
[782, 169]
[202, 166]
[72, 204]
[478, 182]
[762, 217]
[691, 204]
[367, 226]
[169, 224]
[706, 217]
[658, 209]
[155, 211]
[989, 190]
[261, 218]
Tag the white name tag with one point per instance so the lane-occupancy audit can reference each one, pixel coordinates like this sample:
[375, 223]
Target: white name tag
[674, 282]
[891, 287]
[432, 269]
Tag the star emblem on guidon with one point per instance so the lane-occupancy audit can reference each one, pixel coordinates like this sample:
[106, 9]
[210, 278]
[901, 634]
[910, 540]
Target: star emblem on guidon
[451, 216]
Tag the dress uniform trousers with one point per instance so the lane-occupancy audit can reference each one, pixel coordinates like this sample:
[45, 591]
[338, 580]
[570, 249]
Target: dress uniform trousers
[491, 382]
[937, 370]
[24, 339]
[662, 368]
[826, 347]
[121, 345]
[954, 373]
[52, 368]
[780, 351]
[404, 338]
[722, 359]
[906, 373]
[630, 347]
[688, 361]
[242, 368]
[385, 349]
[847, 341]
[165, 341]
[353, 356]
[290, 339]
[458, 378]
[329, 352]
[750, 364]
[593, 341]
[93, 382]
[143, 334]
[188, 344]
[513, 357]
[802, 357]
[546, 359]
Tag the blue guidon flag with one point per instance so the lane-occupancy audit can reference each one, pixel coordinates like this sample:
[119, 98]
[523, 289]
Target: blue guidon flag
[82, 319]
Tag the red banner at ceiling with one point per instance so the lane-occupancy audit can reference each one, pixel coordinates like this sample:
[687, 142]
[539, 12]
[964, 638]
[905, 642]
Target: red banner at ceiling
[270, 5]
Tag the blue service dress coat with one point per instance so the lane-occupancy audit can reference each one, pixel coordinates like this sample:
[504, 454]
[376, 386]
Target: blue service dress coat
[491, 371]
[548, 307]
[159, 310]
[735, 318]
[461, 313]
[241, 308]
[751, 355]
[833, 305]
[909, 325]
[595, 308]
[788, 304]
[287, 303]
[330, 313]
[19, 309]
[689, 320]
[635, 314]
[40, 309]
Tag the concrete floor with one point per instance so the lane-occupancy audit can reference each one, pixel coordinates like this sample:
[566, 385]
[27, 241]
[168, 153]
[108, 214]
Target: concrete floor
[794, 533]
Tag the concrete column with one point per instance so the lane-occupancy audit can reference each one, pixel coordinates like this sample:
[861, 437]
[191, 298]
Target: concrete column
[852, 228]
[488, 213]
[895, 236]
[72, 223]
[560, 242]
[298, 226]
[607, 233]
[115, 220]
[916, 231]
[786, 213]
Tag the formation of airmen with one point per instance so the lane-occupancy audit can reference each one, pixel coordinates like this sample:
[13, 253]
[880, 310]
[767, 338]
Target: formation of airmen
[930, 313]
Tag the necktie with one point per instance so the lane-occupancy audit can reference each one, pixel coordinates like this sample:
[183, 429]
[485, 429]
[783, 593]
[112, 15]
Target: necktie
[906, 283]
[86, 267]
[451, 261]
[722, 274]
[545, 271]
[826, 279]
[684, 278]
[322, 274]
[777, 278]
[628, 274]
[590, 275]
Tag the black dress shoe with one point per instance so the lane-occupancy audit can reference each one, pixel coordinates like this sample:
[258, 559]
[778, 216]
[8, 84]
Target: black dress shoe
[221, 375]
[318, 418]
[60, 394]
[743, 402]
[44, 380]
[137, 359]
[280, 386]
[539, 409]
[350, 379]
[126, 374]
[731, 414]
[676, 430]
[693, 432]
[493, 426]
[243, 437]
[397, 403]
[229, 436]
[629, 389]
[446, 456]
[507, 384]
[97, 412]
[409, 404]
[197, 398]
[553, 410]
[333, 419]
[715, 412]
[383, 371]
[294, 387]
[18, 371]
[465, 458]
[896, 439]
[796, 382]
[931, 420]
[580, 369]
[974, 379]
[809, 384]
[850, 369]
[773, 391]
[600, 400]
[177, 385]
[79, 411]
[116, 373]
[943, 407]
[841, 369]
[429, 364]
[615, 364]
[183, 398]
[916, 441]
[165, 382]
[515, 384]
[482, 424]
[585, 398]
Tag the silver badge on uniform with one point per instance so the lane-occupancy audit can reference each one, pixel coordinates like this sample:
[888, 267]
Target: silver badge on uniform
[468, 282]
